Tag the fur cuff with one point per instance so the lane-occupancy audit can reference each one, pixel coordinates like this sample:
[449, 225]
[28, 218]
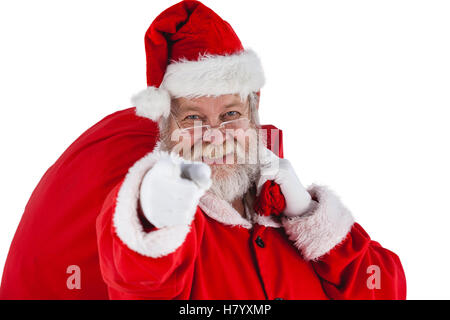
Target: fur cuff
[126, 222]
[317, 232]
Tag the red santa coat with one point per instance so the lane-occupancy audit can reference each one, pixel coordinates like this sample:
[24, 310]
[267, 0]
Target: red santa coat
[219, 255]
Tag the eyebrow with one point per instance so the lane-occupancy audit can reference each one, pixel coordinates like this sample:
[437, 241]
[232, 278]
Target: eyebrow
[188, 108]
[234, 104]
[177, 109]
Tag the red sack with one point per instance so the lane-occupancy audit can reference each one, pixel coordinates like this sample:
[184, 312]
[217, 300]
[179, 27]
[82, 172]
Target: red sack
[57, 229]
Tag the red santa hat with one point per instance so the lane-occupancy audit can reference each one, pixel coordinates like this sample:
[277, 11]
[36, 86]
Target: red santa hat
[192, 52]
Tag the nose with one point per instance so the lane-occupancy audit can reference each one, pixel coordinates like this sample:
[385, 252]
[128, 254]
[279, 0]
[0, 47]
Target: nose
[214, 136]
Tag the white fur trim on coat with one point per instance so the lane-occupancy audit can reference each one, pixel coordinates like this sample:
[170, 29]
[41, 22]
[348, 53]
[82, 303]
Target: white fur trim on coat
[317, 232]
[222, 211]
[210, 75]
[265, 221]
[129, 229]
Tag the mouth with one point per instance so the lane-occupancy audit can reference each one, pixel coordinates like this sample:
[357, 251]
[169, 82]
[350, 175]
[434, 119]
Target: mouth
[219, 159]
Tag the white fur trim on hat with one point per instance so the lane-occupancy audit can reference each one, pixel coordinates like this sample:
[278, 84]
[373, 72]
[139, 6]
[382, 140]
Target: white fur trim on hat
[152, 103]
[317, 232]
[214, 75]
[129, 229]
[210, 75]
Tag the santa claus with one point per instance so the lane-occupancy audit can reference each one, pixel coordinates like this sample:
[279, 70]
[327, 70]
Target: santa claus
[187, 195]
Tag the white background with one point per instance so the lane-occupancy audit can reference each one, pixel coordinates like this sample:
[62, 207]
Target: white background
[360, 88]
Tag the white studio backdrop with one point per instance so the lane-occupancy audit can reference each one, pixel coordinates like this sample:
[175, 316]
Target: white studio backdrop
[361, 90]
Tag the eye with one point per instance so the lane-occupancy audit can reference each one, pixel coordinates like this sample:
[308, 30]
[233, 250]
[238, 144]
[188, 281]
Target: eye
[192, 117]
[231, 115]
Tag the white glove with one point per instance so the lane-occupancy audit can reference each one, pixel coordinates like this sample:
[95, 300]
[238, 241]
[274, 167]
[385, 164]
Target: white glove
[298, 199]
[171, 190]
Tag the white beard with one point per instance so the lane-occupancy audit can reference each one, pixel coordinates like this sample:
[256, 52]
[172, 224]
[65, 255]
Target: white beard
[230, 182]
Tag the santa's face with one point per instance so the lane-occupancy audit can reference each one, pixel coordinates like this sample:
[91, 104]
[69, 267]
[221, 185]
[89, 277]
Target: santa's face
[220, 132]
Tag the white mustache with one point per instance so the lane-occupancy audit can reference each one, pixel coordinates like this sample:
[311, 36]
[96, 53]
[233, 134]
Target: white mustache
[210, 151]
[231, 151]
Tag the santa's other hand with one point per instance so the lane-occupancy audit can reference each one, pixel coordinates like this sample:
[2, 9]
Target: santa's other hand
[298, 199]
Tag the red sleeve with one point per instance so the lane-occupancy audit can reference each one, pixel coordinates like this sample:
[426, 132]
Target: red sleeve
[359, 268]
[349, 264]
[155, 264]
